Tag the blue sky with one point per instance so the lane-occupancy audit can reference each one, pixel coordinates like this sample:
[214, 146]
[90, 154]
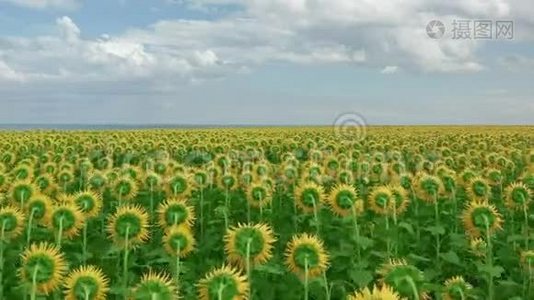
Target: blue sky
[268, 62]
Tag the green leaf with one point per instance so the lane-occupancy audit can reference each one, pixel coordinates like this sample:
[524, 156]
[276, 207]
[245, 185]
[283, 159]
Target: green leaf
[361, 277]
[494, 271]
[407, 226]
[436, 230]
[451, 257]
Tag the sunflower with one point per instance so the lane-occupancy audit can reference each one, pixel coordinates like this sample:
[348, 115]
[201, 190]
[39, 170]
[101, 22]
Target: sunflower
[228, 181]
[90, 203]
[342, 199]
[200, 178]
[518, 196]
[45, 183]
[128, 226]
[527, 260]
[306, 252]
[43, 267]
[65, 219]
[400, 198]
[456, 288]
[405, 279]
[11, 222]
[151, 181]
[223, 283]
[309, 196]
[86, 282]
[176, 212]
[178, 185]
[478, 247]
[258, 195]
[178, 240]
[383, 293]
[479, 216]
[97, 180]
[428, 187]
[381, 200]
[478, 189]
[65, 177]
[155, 286]
[22, 172]
[124, 188]
[39, 207]
[252, 241]
[21, 191]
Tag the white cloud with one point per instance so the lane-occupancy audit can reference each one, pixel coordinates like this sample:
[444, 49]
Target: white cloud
[356, 32]
[389, 70]
[42, 4]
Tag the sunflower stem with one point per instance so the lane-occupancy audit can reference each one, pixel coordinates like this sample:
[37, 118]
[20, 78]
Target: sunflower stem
[220, 290]
[227, 207]
[249, 241]
[489, 258]
[356, 232]
[316, 217]
[2, 237]
[413, 286]
[201, 213]
[526, 231]
[29, 229]
[177, 275]
[60, 232]
[84, 250]
[125, 263]
[306, 277]
[438, 237]
[33, 294]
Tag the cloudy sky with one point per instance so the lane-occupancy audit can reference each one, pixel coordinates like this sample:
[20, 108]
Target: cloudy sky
[263, 62]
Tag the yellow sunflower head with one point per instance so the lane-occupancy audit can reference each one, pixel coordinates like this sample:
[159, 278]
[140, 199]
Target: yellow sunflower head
[309, 196]
[306, 253]
[21, 191]
[527, 260]
[151, 181]
[223, 283]
[258, 195]
[400, 199]
[45, 265]
[478, 189]
[200, 178]
[478, 247]
[46, 183]
[128, 226]
[22, 172]
[178, 185]
[11, 222]
[39, 207]
[155, 286]
[342, 200]
[178, 240]
[480, 217]
[381, 200]
[67, 218]
[86, 282]
[97, 180]
[255, 240]
[428, 187]
[456, 288]
[90, 203]
[176, 211]
[124, 188]
[403, 278]
[383, 293]
[518, 196]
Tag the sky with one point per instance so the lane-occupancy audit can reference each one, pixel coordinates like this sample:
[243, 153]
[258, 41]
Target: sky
[265, 62]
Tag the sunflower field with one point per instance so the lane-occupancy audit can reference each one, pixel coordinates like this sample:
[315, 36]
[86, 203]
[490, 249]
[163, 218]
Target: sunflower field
[267, 213]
